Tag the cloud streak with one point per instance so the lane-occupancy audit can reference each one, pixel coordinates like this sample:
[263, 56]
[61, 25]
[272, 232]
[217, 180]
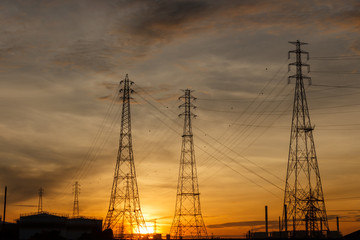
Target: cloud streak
[242, 224]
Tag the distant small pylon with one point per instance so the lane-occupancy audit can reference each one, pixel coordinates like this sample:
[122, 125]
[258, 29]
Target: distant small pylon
[40, 204]
[76, 211]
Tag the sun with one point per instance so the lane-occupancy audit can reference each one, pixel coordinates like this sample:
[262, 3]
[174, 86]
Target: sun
[144, 231]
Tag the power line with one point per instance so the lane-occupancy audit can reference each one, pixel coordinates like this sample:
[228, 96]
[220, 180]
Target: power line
[335, 59]
[338, 56]
[93, 150]
[335, 86]
[341, 198]
[335, 72]
[234, 138]
[216, 149]
[209, 154]
[280, 126]
[230, 100]
[345, 210]
[338, 95]
[243, 157]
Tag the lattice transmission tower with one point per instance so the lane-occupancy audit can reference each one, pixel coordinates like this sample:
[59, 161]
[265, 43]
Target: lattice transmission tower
[304, 200]
[124, 216]
[188, 221]
[76, 210]
[40, 203]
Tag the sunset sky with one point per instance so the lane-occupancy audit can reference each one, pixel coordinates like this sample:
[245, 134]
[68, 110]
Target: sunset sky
[60, 65]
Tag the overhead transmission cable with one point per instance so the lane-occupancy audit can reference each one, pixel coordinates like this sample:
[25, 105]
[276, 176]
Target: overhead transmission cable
[234, 140]
[252, 103]
[253, 172]
[257, 106]
[211, 155]
[335, 86]
[89, 155]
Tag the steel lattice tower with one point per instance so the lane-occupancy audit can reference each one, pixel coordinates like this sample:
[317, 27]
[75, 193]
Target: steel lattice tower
[76, 210]
[304, 197]
[188, 221]
[124, 216]
[40, 203]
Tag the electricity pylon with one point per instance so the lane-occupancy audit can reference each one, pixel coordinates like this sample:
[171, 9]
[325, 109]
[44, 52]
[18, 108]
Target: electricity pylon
[188, 221]
[76, 210]
[304, 200]
[40, 203]
[124, 216]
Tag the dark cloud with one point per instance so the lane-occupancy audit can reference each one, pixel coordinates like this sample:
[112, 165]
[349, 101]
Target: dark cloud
[87, 55]
[104, 97]
[30, 163]
[355, 46]
[133, 29]
[110, 85]
[160, 20]
[347, 16]
[162, 93]
[241, 224]
[24, 151]
[163, 21]
[23, 183]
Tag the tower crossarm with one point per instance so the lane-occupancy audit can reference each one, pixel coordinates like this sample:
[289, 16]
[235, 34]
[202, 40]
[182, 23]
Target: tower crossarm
[302, 76]
[297, 52]
[297, 64]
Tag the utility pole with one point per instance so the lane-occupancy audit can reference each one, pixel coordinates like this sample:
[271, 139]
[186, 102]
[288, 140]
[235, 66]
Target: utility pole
[304, 196]
[188, 221]
[3, 220]
[124, 215]
[266, 222]
[76, 210]
[40, 203]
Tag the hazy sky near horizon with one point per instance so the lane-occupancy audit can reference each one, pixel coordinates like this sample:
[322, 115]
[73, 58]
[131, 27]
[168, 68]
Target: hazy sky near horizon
[60, 65]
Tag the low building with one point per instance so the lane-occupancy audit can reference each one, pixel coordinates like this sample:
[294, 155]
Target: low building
[68, 228]
[259, 235]
[76, 227]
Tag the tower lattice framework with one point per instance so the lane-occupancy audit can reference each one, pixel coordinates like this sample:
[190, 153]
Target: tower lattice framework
[304, 200]
[40, 203]
[188, 221]
[124, 216]
[76, 209]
